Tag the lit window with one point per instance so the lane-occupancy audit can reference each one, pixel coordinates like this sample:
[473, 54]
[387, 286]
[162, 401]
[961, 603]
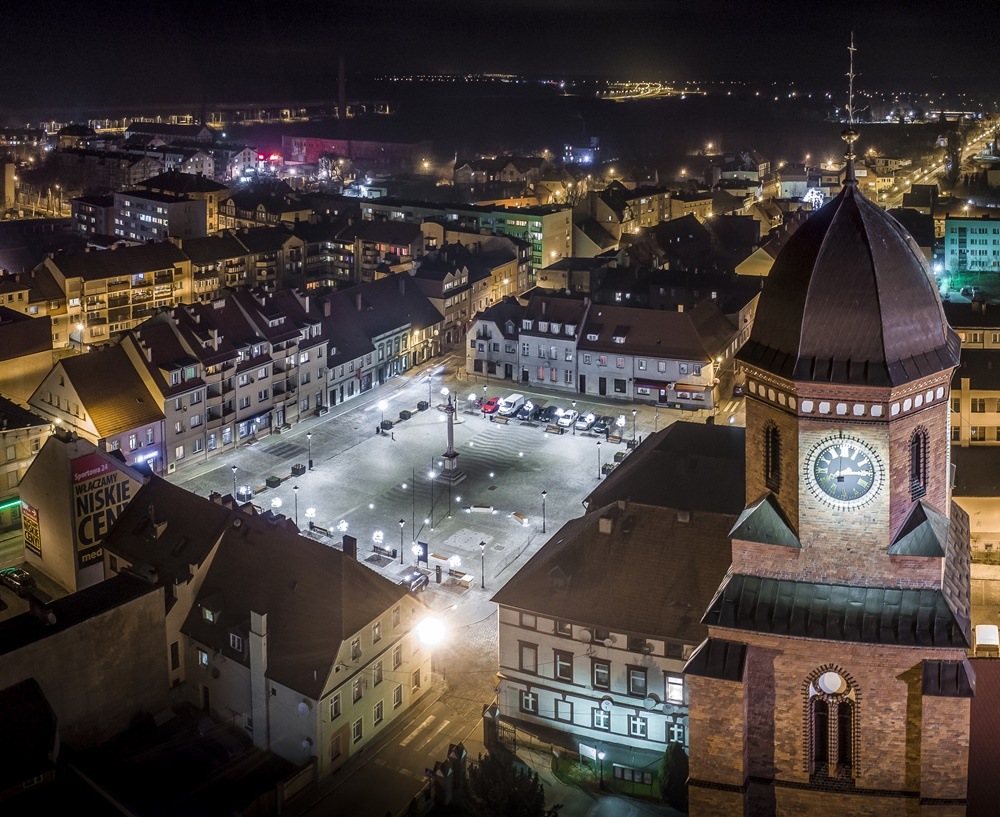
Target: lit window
[202, 658]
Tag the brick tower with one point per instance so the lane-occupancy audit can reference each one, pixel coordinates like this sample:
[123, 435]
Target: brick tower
[834, 680]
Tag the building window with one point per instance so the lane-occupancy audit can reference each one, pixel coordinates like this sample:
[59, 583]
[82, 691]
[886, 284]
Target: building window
[357, 730]
[529, 657]
[335, 749]
[831, 727]
[377, 673]
[133, 442]
[395, 616]
[415, 679]
[175, 655]
[202, 658]
[637, 681]
[637, 726]
[563, 670]
[528, 621]
[355, 649]
[529, 702]
[564, 628]
[918, 463]
[619, 386]
[564, 710]
[601, 719]
[397, 696]
[376, 632]
[356, 691]
[602, 674]
[235, 642]
[377, 714]
[397, 656]
[208, 615]
[335, 707]
[772, 457]
[179, 452]
[675, 689]
[978, 405]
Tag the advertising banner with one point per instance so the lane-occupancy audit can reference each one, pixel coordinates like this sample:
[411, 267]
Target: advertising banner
[32, 533]
[100, 493]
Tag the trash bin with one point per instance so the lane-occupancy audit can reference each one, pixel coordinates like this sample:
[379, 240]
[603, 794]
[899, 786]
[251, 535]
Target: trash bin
[437, 573]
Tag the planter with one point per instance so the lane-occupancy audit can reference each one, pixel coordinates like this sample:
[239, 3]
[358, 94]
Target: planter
[298, 469]
[272, 482]
[405, 415]
[423, 405]
[386, 425]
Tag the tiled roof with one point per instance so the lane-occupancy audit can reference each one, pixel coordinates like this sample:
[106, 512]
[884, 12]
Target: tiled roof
[212, 248]
[111, 391]
[690, 466]
[315, 597]
[13, 416]
[174, 181]
[651, 575]
[119, 261]
[836, 612]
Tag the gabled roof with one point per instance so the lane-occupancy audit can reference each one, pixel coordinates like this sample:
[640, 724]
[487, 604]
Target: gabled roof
[119, 261]
[173, 181]
[211, 248]
[688, 466]
[837, 612]
[507, 309]
[650, 575]
[111, 391]
[263, 239]
[315, 597]
[397, 233]
[165, 530]
[924, 533]
[765, 523]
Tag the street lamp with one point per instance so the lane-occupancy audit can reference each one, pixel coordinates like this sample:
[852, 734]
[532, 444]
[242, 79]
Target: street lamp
[234, 482]
[309, 441]
[401, 523]
[482, 564]
[382, 406]
[544, 494]
[79, 331]
[295, 493]
[431, 475]
[598, 459]
[600, 756]
[574, 421]
[633, 424]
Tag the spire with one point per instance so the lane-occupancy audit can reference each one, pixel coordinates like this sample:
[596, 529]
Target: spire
[850, 136]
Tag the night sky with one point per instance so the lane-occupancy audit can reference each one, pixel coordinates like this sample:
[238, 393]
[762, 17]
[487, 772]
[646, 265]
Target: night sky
[176, 50]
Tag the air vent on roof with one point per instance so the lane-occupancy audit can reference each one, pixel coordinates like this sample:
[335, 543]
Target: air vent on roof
[605, 524]
[684, 516]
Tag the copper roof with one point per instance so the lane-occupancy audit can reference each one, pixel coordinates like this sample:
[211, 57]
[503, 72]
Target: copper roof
[850, 300]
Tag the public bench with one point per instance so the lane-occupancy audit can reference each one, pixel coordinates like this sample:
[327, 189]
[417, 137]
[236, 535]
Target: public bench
[552, 428]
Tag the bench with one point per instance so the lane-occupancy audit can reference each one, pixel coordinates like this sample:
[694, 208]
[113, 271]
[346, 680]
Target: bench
[384, 551]
[520, 518]
[481, 508]
[464, 579]
[552, 428]
[499, 418]
[318, 529]
[614, 438]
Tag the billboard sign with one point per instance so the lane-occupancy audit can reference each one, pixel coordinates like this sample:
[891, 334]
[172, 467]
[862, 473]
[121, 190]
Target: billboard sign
[100, 493]
[32, 532]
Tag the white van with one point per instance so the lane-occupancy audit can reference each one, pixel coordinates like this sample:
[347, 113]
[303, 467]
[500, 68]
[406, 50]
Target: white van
[510, 404]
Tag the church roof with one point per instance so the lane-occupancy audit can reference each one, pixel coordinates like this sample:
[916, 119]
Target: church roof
[850, 300]
[836, 612]
[764, 522]
[924, 533]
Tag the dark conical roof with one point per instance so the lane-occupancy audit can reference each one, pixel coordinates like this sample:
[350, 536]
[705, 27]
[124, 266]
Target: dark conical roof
[850, 299]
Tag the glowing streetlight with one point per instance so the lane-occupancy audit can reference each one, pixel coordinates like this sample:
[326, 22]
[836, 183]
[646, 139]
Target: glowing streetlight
[544, 495]
[430, 632]
[295, 493]
[382, 406]
[309, 440]
[482, 564]
[234, 481]
[401, 523]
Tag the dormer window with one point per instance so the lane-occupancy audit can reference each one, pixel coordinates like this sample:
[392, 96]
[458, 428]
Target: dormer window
[556, 328]
[592, 336]
[571, 329]
[175, 378]
[526, 324]
[209, 615]
[619, 338]
[236, 642]
[543, 326]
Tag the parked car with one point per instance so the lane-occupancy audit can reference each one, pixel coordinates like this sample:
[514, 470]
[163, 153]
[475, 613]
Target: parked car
[414, 581]
[586, 421]
[491, 405]
[550, 414]
[510, 404]
[567, 418]
[603, 424]
[529, 411]
[18, 580]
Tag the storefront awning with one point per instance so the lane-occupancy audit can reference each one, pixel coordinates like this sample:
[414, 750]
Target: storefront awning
[652, 384]
[689, 387]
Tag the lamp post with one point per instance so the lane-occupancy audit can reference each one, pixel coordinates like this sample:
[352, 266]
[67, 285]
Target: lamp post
[401, 523]
[295, 493]
[234, 482]
[482, 564]
[574, 419]
[656, 418]
[309, 440]
[600, 756]
[544, 494]
[633, 424]
[430, 476]
[79, 332]
[598, 459]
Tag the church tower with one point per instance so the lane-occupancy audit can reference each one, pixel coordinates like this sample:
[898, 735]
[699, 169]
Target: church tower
[834, 679]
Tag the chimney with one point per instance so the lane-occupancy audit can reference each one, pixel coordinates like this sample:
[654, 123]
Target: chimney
[350, 546]
[258, 678]
[605, 524]
[357, 301]
[543, 307]
[326, 309]
[402, 283]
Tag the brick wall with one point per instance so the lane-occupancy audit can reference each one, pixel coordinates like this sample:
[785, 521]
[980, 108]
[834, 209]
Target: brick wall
[759, 416]
[715, 730]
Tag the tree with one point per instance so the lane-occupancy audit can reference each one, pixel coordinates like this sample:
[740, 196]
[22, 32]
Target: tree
[497, 788]
[674, 775]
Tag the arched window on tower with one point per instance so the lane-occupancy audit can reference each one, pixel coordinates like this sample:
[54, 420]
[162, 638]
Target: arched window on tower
[772, 457]
[918, 463]
[831, 728]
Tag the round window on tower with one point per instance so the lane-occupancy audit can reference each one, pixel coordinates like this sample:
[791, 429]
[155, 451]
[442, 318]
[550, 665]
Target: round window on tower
[832, 683]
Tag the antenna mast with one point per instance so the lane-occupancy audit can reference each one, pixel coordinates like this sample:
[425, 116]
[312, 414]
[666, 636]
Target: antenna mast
[850, 136]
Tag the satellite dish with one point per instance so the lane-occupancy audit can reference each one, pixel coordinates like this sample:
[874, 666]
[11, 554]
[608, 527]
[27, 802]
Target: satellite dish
[607, 703]
[303, 708]
[669, 709]
[609, 641]
[583, 634]
[650, 701]
[307, 743]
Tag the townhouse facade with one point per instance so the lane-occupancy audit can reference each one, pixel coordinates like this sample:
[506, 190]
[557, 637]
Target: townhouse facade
[971, 244]
[22, 434]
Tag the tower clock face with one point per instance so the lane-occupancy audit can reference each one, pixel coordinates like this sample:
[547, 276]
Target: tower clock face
[844, 472]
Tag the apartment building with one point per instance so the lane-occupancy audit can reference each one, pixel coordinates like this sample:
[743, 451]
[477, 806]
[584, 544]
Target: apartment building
[26, 353]
[146, 216]
[252, 208]
[971, 244]
[189, 186]
[22, 434]
[108, 291]
[93, 215]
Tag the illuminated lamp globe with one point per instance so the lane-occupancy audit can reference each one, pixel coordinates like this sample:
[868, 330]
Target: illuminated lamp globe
[430, 631]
